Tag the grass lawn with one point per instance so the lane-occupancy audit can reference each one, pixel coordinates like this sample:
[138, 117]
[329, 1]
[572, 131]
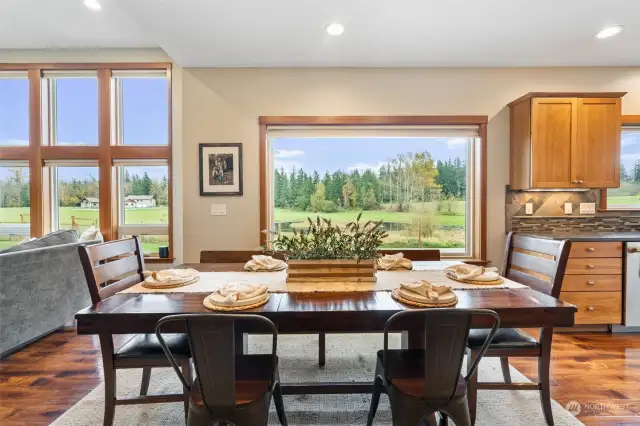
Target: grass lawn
[623, 200]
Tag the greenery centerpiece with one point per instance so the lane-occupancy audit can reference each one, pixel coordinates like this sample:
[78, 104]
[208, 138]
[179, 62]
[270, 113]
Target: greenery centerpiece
[327, 252]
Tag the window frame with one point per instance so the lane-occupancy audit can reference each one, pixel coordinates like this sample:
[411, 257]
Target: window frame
[108, 151]
[626, 121]
[478, 252]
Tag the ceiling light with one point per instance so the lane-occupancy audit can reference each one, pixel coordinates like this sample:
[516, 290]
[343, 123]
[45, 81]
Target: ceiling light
[609, 31]
[334, 29]
[93, 4]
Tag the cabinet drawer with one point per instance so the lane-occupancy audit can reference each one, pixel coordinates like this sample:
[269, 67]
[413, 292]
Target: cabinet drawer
[592, 283]
[596, 266]
[595, 307]
[590, 249]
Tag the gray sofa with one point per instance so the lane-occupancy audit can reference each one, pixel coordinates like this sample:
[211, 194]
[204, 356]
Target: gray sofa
[41, 289]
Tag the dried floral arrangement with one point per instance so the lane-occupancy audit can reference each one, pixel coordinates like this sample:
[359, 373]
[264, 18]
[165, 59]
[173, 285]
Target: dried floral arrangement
[324, 240]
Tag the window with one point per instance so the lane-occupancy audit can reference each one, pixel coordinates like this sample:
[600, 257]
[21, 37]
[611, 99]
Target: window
[627, 197]
[14, 109]
[75, 201]
[418, 182]
[14, 204]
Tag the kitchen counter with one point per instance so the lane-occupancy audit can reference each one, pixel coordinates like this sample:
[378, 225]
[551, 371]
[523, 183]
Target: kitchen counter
[588, 236]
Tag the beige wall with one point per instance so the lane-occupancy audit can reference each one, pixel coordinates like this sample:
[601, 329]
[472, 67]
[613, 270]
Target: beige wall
[223, 105]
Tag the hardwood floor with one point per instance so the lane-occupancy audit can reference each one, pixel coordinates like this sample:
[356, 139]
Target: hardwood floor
[599, 371]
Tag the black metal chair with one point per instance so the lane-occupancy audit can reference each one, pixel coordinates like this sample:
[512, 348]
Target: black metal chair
[421, 382]
[540, 264]
[229, 388]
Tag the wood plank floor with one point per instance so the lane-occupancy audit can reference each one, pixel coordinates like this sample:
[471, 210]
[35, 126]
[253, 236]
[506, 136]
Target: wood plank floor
[600, 371]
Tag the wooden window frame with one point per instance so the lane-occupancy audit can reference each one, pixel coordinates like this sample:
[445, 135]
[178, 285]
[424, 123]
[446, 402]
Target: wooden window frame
[410, 120]
[104, 154]
[625, 120]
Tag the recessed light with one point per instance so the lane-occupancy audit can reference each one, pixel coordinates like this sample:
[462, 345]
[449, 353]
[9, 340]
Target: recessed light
[93, 4]
[334, 29]
[609, 31]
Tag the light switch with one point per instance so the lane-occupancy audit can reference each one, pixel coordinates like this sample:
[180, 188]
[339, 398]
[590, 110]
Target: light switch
[528, 208]
[587, 208]
[218, 209]
[568, 208]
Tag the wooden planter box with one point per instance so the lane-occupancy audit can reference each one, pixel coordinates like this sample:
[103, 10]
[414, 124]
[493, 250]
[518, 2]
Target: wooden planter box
[347, 270]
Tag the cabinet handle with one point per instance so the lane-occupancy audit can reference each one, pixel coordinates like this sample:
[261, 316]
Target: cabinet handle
[591, 249]
[591, 282]
[580, 181]
[591, 266]
[574, 181]
[590, 309]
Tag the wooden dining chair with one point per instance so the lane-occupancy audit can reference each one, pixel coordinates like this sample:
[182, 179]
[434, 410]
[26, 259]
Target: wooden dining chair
[421, 382]
[540, 264]
[230, 388]
[109, 268]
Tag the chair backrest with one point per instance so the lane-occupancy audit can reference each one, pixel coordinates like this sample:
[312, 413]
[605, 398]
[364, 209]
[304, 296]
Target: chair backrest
[416, 255]
[446, 332]
[232, 256]
[536, 262]
[212, 341]
[120, 260]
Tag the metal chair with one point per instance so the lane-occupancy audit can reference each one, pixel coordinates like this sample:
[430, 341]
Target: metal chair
[421, 382]
[540, 264]
[229, 388]
[106, 278]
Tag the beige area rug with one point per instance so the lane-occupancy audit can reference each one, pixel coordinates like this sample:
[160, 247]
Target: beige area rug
[349, 358]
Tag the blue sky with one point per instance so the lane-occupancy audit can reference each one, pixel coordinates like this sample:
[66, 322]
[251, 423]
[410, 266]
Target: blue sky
[347, 154]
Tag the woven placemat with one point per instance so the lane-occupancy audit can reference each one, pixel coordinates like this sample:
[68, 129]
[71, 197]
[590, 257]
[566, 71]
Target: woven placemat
[207, 304]
[396, 295]
[267, 270]
[452, 276]
[156, 287]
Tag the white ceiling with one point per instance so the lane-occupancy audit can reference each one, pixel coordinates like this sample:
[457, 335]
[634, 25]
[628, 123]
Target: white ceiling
[377, 32]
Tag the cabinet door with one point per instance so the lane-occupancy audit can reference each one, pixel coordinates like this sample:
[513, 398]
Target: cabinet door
[596, 153]
[553, 131]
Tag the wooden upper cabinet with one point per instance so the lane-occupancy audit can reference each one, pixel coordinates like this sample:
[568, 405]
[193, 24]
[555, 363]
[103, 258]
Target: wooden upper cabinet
[565, 140]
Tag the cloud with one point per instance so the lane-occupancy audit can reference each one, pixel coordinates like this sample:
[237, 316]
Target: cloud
[361, 167]
[287, 165]
[631, 156]
[456, 142]
[288, 153]
[629, 140]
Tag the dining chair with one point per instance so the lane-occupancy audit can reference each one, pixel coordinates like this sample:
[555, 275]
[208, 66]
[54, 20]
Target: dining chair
[109, 268]
[421, 382]
[540, 264]
[229, 388]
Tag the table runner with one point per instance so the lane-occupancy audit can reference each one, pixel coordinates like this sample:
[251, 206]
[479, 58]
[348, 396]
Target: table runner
[276, 282]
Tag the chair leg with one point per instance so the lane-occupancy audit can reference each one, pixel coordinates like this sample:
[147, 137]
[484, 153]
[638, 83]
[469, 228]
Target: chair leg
[375, 399]
[186, 372]
[458, 410]
[146, 378]
[322, 348]
[472, 387]
[109, 396]
[506, 373]
[544, 363]
[279, 403]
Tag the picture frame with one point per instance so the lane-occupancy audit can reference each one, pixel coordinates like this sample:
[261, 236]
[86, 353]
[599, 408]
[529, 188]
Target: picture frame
[220, 169]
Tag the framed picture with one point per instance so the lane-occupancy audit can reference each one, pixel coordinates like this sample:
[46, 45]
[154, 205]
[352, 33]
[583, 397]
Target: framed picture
[220, 169]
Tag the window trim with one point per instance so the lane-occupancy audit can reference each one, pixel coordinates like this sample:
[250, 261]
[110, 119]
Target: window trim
[413, 120]
[625, 120]
[105, 153]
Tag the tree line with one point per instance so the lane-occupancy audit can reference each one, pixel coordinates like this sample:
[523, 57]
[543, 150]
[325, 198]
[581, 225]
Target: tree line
[402, 181]
[633, 175]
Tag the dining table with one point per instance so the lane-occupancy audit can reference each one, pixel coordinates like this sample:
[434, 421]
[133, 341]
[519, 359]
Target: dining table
[314, 312]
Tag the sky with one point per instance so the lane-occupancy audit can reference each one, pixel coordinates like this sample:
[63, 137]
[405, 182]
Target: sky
[347, 154]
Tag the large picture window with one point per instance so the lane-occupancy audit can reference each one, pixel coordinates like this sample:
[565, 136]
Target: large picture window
[627, 196]
[75, 198]
[14, 109]
[14, 204]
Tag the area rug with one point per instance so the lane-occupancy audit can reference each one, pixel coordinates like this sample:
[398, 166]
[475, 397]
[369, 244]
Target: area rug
[349, 358]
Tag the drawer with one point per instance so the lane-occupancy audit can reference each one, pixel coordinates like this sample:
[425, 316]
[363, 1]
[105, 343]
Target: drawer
[589, 249]
[595, 266]
[592, 283]
[595, 307]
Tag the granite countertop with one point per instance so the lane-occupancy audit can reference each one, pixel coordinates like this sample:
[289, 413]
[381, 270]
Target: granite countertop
[588, 236]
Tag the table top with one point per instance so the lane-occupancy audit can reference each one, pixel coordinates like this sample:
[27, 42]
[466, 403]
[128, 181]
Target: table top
[313, 312]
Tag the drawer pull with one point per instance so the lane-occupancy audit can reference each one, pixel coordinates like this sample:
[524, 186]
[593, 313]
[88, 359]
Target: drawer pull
[574, 181]
[591, 266]
[591, 249]
[590, 309]
[580, 181]
[591, 283]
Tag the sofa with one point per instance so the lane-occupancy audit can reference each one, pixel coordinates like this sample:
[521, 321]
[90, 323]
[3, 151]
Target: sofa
[42, 286]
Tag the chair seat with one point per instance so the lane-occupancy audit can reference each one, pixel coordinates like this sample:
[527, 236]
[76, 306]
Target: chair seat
[505, 338]
[147, 346]
[406, 372]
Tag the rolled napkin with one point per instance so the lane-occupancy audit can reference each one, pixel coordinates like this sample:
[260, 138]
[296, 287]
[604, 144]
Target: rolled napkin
[466, 272]
[238, 294]
[390, 262]
[426, 293]
[259, 263]
[170, 277]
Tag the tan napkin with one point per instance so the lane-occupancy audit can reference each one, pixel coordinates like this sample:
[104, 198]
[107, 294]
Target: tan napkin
[171, 276]
[238, 293]
[473, 272]
[425, 289]
[390, 262]
[261, 262]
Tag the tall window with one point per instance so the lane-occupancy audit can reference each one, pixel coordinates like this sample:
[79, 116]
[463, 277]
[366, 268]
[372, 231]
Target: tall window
[14, 109]
[14, 204]
[75, 201]
[418, 183]
[628, 195]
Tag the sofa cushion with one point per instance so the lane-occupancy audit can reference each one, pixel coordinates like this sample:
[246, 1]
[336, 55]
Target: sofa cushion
[53, 239]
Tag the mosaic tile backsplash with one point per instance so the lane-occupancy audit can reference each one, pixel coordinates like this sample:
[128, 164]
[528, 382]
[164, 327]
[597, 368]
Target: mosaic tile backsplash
[548, 213]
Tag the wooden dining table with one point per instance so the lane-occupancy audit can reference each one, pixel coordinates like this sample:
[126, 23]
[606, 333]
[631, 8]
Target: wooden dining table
[331, 312]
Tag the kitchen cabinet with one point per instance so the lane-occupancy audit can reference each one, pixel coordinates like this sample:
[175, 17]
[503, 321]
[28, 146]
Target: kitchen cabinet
[565, 140]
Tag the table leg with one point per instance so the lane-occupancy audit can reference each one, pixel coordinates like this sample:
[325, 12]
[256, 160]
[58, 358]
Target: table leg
[412, 339]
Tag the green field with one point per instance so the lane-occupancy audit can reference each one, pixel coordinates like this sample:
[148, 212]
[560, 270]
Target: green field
[623, 200]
